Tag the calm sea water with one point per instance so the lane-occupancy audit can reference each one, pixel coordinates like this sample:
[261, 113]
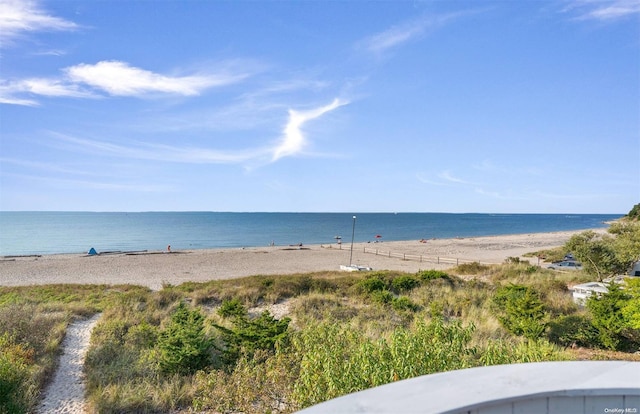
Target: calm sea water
[23, 233]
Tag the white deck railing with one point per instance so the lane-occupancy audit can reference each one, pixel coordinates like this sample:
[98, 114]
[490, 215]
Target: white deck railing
[576, 387]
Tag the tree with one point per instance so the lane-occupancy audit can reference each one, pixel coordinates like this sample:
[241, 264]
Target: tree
[520, 310]
[634, 214]
[183, 346]
[631, 309]
[626, 244]
[596, 253]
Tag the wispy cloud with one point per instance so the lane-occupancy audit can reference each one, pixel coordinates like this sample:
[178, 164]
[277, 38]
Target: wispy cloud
[603, 10]
[18, 17]
[156, 152]
[120, 79]
[293, 140]
[114, 78]
[292, 143]
[406, 31]
[445, 177]
[448, 176]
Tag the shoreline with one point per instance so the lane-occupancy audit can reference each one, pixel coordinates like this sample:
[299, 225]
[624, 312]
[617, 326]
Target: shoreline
[155, 268]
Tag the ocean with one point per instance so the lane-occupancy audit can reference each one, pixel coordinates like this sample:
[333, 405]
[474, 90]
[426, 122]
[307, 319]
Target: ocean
[29, 233]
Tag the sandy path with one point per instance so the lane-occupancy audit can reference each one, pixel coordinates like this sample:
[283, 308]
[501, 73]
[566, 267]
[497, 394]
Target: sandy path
[65, 394]
[153, 270]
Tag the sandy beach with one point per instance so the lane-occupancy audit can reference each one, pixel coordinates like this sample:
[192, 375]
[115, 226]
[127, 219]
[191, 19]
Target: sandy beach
[152, 269]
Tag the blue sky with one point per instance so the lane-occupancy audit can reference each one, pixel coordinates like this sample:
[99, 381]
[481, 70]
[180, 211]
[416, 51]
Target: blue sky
[347, 106]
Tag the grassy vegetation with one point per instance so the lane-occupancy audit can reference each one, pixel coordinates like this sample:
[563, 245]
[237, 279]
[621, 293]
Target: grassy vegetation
[201, 346]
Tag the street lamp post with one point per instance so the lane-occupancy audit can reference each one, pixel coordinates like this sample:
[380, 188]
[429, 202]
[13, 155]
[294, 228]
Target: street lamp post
[353, 233]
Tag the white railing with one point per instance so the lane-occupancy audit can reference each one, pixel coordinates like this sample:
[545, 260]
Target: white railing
[576, 387]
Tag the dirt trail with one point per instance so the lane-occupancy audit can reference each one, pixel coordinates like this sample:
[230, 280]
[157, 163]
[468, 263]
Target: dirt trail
[65, 394]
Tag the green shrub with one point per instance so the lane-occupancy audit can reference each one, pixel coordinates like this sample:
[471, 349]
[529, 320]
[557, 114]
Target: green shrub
[427, 275]
[247, 335]
[382, 297]
[609, 319]
[232, 308]
[520, 310]
[404, 283]
[182, 346]
[570, 330]
[371, 284]
[403, 303]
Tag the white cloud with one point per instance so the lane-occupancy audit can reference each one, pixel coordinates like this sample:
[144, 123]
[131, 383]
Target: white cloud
[294, 140]
[405, 32]
[120, 79]
[11, 92]
[113, 77]
[51, 87]
[22, 16]
[10, 100]
[445, 178]
[292, 143]
[604, 10]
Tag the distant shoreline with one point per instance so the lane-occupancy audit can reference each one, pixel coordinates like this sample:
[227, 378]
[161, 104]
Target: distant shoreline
[153, 269]
[76, 233]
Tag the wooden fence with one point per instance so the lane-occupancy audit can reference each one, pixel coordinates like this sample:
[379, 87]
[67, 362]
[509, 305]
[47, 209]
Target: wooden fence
[421, 258]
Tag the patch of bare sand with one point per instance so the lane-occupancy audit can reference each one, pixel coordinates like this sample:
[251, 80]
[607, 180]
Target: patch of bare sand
[65, 394]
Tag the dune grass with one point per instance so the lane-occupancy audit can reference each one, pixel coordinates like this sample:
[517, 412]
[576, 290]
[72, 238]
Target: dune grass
[346, 331]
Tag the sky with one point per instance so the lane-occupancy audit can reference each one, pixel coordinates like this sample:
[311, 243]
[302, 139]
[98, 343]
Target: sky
[320, 106]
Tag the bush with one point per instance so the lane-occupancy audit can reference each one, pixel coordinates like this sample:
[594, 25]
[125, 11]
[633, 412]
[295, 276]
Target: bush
[246, 335]
[182, 346]
[382, 297]
[570, 330]
[404, 283]
[427, 275]
[371, 284]
[609, 320]
[403, 303]
[520, 310]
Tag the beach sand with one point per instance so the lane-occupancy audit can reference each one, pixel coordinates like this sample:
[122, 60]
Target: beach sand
[153, 269]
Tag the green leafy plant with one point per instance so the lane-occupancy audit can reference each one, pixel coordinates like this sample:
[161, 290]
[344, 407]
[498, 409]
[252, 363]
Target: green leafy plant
[247, 335]
[405, 283]
[573, 330]
[520, 310]
[183, 347]
[608, 317]
[427, 275]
